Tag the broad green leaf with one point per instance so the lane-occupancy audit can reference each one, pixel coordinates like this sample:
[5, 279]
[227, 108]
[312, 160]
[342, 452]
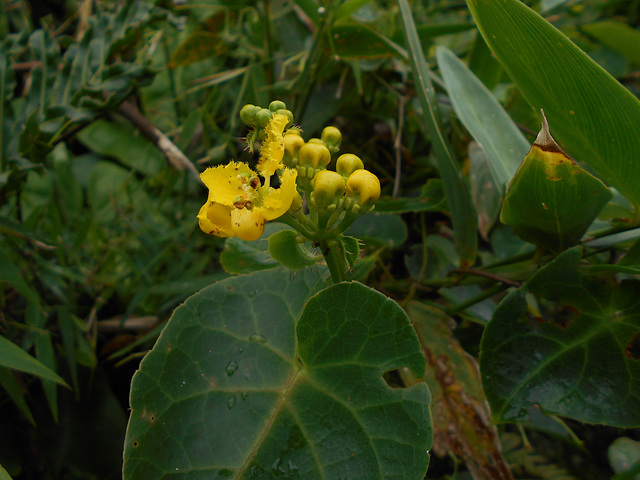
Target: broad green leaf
[618, 36]
[580, 359]
[431, 199]
[595, 119]
[463, 215]
[552, 200]
[284, 248]
[487, 121]
[12, 356]
[230, 389]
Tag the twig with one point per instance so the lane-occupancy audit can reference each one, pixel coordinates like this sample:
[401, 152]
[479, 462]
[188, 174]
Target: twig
[171, 152]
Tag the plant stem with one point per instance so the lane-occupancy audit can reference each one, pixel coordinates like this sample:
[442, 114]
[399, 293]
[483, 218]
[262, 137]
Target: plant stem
[334, 256]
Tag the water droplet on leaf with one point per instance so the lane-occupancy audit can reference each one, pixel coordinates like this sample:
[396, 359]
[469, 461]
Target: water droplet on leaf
[231, 401]
[257, 338]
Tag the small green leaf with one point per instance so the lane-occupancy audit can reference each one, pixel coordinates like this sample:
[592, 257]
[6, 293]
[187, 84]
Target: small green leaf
[484, 117]
[552, 200]
[580, 360]
[12, 356]
[351, 246]
[285, 249]
[595, 118]
[230, 390]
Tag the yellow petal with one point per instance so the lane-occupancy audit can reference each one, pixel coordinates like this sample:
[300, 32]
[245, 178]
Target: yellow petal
[225, 182]
[272, 149]
[247, 224]
[278, 200]
[215, 219]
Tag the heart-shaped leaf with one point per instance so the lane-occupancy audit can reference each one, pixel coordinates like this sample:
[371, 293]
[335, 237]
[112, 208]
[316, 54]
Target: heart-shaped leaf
[582, 360]
[229, 390]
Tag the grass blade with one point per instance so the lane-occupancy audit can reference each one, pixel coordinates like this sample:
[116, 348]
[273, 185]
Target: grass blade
[463, 215]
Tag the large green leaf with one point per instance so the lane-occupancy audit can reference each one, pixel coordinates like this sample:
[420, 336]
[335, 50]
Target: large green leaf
[463, 215]
[595, 119]
[229, 390]
[578, 358]
[489, 124]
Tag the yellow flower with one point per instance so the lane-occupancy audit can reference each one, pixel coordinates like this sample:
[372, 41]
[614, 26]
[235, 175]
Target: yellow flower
[272, 149]
[239, 202]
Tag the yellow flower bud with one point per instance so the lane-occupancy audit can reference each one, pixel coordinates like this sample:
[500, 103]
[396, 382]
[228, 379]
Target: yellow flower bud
[332, 137]
[363, 189]
[347, 164]
[292, 144]
[328, 189]
[314, 155]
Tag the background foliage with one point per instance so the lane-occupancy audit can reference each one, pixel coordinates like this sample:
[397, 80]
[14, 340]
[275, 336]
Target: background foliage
[99, 241]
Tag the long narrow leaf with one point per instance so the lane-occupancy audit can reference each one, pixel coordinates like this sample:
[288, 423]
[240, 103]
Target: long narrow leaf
[463, 215]
[592, 116]
[489, 124]
[10, 385]
[12, 356]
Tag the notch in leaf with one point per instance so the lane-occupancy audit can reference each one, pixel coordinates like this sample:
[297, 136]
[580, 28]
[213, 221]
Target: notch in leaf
[551, 200]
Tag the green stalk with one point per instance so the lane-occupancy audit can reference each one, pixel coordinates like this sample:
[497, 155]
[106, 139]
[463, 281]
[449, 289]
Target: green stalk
[334, 256]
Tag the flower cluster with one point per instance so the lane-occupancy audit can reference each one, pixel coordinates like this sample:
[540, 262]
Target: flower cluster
[241, 200]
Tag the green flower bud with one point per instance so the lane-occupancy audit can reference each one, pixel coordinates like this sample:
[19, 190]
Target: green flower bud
[292, 144]
[332, 137]
[348, 163]
[362, 191]
[277, 105]
[328, 189]
[248, 115]
[316, 141]
[263, 116]
[314, 155]
[286, 113]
